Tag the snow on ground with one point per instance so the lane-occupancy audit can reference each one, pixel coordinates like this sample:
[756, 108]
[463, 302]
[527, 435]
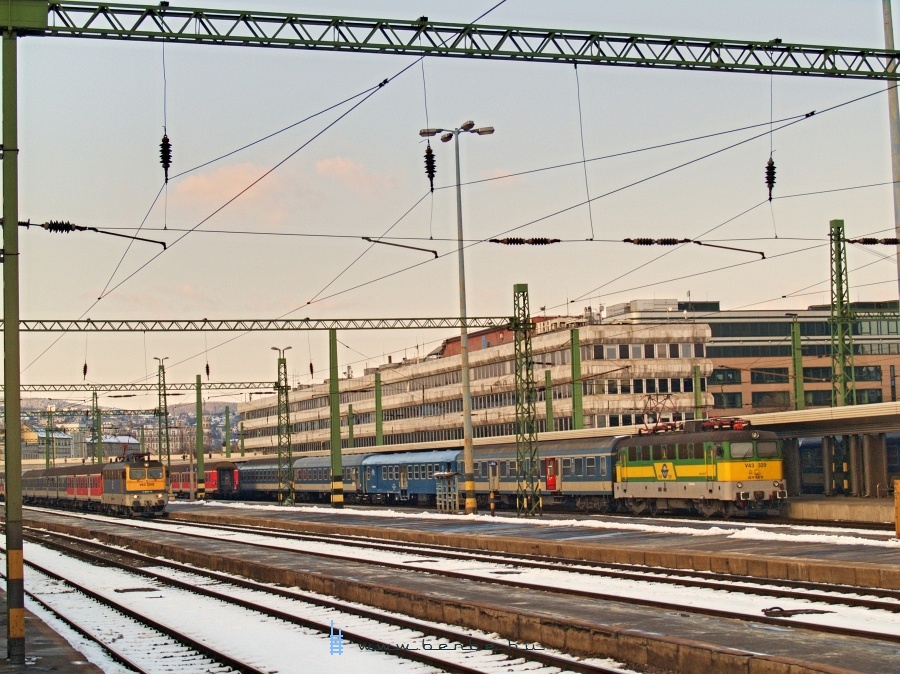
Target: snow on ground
[265, 642]
[839, 616]
[756, 531]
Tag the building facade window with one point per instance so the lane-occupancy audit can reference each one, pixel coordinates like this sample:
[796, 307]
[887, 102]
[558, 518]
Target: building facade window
[768, 399]
[725, 375]
[769, 375]
[728, 401]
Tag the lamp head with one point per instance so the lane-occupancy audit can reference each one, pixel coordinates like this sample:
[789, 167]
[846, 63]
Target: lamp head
[446, 137]
[485, 131]
[467, 126]
[427, 133]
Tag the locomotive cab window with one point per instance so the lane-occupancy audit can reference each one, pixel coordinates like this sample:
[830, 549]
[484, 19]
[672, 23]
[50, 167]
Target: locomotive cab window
[766, 449]
[741, 450]
[155, 473]
[137, 473]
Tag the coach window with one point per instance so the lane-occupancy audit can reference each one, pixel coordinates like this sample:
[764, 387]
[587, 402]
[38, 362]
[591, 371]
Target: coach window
[741, 450]
[384, 472]
[579, 467]
[430, 471]
[504, 469]
[590, 466]
[567, 468]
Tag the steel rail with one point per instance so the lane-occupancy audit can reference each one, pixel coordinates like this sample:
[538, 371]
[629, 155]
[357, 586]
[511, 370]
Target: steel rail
[111, 555]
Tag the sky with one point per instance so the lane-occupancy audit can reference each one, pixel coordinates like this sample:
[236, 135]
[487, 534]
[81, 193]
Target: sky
[92, 113]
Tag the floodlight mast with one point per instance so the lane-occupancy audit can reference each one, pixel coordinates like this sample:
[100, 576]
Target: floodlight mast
[468, 446]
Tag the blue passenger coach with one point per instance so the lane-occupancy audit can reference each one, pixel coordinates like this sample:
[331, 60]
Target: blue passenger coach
[576, 473]
[312, 478]
[409, 477]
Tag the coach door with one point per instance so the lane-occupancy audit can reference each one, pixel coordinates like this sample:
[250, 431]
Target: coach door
[710, 454]
[551, 471]
[404, 482]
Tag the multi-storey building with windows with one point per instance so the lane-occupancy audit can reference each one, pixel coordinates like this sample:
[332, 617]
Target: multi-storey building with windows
[751, 352]
[587, 376]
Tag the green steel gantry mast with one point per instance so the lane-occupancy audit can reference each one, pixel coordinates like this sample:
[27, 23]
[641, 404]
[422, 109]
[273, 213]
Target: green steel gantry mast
[528, 485]
[163, 421]
[21, 18]
[285, 456]
[421, 37]
[843, 380]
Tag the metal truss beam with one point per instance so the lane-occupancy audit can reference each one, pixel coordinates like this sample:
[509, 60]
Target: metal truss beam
[145, 388]
[253, 325]
[422, 37]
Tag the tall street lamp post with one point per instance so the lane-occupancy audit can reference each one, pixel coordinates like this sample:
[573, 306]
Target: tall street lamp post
[468, 452]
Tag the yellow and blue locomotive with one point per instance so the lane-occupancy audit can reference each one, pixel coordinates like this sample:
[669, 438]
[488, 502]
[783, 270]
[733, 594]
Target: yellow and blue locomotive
[131, 485]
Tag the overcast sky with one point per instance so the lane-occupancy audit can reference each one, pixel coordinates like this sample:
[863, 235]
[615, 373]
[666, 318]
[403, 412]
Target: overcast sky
[92, 116]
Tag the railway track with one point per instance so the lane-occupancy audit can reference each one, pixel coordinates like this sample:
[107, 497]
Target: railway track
[812, 606]
[363, 630]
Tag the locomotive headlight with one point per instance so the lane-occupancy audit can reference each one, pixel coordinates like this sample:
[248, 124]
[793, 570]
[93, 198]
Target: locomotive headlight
[776, 483]
[740, 485]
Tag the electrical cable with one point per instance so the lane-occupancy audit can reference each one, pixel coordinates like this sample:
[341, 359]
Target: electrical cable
[587, 187]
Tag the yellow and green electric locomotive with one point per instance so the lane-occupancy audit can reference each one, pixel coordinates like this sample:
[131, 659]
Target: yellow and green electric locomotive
[717, 467]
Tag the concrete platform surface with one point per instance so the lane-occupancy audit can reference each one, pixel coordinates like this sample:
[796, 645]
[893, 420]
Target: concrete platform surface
[841, 509]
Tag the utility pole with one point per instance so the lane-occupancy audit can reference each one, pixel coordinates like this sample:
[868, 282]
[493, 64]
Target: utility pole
[163, 421]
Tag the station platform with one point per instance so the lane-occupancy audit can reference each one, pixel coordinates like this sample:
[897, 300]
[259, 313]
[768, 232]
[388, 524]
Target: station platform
[841, 509]
[45, 649]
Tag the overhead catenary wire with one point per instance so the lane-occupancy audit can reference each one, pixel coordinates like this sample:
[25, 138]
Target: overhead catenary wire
[201, 223]
[587, 187]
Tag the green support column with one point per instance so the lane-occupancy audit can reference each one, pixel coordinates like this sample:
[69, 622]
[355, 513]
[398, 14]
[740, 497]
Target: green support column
[797, 366]
[379, 421]
[349, 426]
[334, 394]
[227, 432]
[548, 401]
[201, 473]
[143, 444]
[577, 398]
[698, 394]
[15, 589]
[242, 439]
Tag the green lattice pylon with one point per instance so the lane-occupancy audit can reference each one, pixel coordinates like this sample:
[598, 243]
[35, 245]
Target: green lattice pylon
[843, 381]
[528, 490]
[285, 457]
